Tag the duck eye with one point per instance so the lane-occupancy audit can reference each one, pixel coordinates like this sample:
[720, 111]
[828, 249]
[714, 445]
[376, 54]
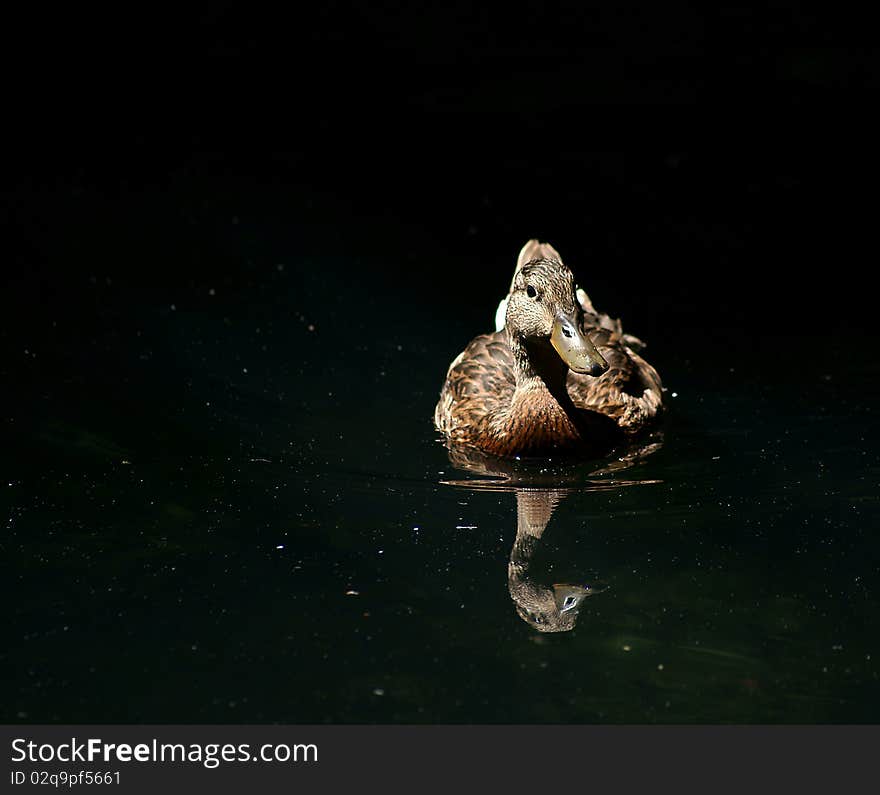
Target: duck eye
[531, 292]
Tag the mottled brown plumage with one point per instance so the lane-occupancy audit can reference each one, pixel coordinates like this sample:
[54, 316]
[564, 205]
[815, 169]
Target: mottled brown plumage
[514, 392]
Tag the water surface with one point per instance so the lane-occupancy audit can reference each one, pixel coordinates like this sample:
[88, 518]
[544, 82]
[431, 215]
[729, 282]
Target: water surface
[224, 501]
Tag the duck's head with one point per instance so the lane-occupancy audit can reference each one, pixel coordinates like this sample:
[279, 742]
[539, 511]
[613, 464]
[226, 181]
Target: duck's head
[549, 609]
[543, 308]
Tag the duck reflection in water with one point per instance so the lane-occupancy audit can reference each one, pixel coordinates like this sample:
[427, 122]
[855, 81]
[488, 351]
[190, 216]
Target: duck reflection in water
[545, 607]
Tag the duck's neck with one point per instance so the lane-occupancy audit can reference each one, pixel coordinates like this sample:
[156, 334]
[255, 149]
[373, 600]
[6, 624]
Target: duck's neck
[533, 511]
[541, 417]
[537, 367]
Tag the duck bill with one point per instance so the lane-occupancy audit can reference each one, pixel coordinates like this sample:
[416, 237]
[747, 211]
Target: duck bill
[569, 596]
[575, 348]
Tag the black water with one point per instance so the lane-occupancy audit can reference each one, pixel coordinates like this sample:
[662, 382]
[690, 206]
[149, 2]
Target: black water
[223, 499]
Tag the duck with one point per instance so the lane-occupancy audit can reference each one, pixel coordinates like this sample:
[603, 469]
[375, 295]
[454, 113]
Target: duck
[556, 377]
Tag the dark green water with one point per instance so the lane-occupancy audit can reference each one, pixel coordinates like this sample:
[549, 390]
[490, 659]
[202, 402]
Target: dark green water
[225, 502]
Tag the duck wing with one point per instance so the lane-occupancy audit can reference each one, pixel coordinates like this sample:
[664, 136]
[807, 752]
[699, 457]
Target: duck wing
[630, 392]
[480, 382]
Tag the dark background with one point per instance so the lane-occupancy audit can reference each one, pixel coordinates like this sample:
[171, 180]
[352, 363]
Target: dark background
[713, 165]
